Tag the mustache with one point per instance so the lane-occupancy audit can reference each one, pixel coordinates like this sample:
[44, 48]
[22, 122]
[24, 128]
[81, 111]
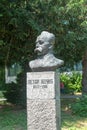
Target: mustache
[38, 49]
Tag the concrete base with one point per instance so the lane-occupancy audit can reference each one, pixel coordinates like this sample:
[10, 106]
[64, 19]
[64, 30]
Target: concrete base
[43, 112]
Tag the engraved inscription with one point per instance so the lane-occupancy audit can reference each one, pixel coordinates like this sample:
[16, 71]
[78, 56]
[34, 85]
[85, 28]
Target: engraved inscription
[40, 83]
[39, 86]
[47, 81]
[33, 81]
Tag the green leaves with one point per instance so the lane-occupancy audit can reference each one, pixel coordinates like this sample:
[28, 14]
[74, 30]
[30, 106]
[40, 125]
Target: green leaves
[2, 43]
[21, 22]
[80, 106]
[72, 82]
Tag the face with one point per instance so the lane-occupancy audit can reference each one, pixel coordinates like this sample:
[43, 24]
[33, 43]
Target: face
[42, 46]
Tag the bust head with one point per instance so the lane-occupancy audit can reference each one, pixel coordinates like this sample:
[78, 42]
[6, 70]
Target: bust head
[44, 43]
[45, 60]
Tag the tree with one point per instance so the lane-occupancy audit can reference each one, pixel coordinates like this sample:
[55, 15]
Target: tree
[16, 33]
[22, 20]
[77, 34]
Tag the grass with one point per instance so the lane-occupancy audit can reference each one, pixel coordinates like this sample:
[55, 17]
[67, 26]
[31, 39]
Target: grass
[15, 118]
[12, 118]
[70, 121]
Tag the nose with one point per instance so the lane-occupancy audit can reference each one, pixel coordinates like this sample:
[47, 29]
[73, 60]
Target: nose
[37, 45]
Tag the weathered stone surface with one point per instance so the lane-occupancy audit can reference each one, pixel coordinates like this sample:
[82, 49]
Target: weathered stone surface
[43, 103]
[42, 115]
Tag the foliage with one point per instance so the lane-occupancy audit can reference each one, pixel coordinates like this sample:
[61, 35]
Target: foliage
[2, 79]
[80, 107]
[1, 94]
[21, 21]
[72, 82]
[12, 93]
[15, 93]
[16, 33]
[21, 83]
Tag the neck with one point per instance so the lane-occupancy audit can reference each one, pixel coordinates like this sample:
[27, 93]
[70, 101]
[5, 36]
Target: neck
[47, 54]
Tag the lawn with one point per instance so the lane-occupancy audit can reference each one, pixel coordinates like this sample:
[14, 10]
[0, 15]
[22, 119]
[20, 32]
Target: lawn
[14, 118]
[70, 121]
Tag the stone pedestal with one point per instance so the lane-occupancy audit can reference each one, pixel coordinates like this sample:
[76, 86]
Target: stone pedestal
[43, 101]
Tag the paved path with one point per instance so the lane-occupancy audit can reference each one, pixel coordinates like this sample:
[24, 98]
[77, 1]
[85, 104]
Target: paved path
[70, 96]
[62, 97]
[3, 99]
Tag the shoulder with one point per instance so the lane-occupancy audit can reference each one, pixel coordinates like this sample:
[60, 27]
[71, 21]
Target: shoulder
[54, 61]
[32, 63]
[35, 63]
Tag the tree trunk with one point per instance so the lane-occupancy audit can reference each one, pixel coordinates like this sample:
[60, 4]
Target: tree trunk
[84, 74]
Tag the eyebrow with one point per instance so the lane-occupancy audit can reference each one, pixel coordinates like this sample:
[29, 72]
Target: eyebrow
[40, 41]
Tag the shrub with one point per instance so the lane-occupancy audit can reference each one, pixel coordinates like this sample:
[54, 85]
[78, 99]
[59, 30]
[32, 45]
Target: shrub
[12, 93]
[80, 107]
[72, 82]
[2, 79]
[16, 92]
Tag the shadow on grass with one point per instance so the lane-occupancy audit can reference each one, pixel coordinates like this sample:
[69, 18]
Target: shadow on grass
[70, 121]
[12, 118]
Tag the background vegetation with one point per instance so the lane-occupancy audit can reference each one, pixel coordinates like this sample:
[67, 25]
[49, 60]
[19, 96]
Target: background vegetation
[80, 107]
[22, 20]
[72, 82]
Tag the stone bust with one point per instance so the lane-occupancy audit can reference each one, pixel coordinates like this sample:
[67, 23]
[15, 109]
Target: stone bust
[46, 61]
